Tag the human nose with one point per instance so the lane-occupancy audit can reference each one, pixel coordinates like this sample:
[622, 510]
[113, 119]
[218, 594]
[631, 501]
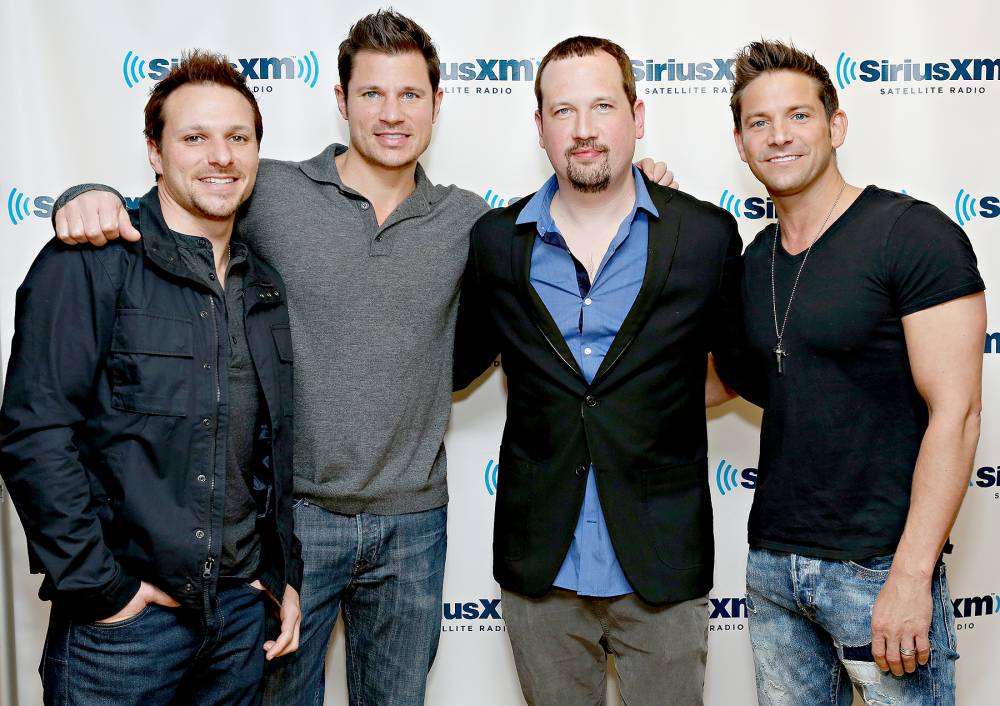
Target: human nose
[221, 153]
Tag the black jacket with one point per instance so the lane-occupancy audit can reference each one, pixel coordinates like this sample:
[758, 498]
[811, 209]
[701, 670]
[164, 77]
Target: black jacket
[642, 420]
[108, 425]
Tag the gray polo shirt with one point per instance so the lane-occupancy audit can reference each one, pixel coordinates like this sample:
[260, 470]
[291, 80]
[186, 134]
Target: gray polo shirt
[372, 312]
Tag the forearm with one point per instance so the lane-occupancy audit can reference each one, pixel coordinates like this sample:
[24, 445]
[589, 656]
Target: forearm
[940, 480]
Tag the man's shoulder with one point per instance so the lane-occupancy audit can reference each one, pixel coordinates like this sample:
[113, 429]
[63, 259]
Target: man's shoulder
[464, 205]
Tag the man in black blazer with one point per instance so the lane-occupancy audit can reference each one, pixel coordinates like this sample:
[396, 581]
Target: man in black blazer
[604, 294]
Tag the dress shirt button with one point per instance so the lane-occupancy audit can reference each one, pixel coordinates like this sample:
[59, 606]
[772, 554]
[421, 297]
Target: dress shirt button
[588, 301]
[587, 350]
[200, 534]
[590, 401]
[581, 471]
[211, 276]
[364, 205]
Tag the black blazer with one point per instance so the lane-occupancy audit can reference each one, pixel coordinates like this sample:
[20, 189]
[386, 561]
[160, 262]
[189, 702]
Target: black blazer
[642, 420]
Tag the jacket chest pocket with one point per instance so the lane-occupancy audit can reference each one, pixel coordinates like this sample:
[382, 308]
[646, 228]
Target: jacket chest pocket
[148, 369]
[282, 336]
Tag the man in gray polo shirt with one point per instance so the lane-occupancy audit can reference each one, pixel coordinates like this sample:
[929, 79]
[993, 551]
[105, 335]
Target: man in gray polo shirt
[372, 255]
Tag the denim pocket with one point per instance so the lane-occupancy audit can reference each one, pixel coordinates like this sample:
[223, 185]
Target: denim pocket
[876, 567]
[122, 623]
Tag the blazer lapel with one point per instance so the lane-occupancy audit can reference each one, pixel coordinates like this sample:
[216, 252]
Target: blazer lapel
[663, 236]
[520, 265]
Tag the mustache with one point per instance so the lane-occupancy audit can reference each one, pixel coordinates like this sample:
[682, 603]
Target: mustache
[591, 144]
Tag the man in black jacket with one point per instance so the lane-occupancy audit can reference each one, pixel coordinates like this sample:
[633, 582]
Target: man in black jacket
[604, 294]
[145, 433]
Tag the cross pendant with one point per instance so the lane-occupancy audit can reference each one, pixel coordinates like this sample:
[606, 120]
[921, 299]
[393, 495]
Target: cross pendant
[779, 357]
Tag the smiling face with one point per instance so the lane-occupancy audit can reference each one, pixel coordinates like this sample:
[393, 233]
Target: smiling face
[206, 158]
[390, 107]
[586, 124]
[784, 136]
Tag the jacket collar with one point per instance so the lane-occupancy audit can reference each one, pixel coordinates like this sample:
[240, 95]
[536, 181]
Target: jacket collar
[160, 245]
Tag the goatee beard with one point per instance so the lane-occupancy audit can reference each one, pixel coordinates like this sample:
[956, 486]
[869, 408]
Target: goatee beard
[590, 180]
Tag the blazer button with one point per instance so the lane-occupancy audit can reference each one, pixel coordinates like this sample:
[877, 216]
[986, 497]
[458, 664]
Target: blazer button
[581, 471]
[590, 401]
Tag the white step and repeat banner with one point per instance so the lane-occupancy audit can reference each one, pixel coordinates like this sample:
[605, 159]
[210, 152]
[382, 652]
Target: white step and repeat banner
[77, 75]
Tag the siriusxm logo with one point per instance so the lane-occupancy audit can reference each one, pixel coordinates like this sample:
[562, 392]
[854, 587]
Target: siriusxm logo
[728, 608]
[992, 343]
[674, 70]
[974, 606]
[729, 479]
[258, 68]
[20, 206]
[489, 70]
[968, 207]
[986, 477]
[480, 609]
[490, 476]
[882, 70]
[751, 207]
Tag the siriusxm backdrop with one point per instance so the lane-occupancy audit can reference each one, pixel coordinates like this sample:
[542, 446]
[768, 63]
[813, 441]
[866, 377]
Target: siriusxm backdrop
[920, 83]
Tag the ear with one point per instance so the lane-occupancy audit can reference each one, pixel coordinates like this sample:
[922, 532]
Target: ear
[538, 125]
[738, 139]
[838, 128]
[438, 97]
[155, 159]
[341, 100]
[639, 113]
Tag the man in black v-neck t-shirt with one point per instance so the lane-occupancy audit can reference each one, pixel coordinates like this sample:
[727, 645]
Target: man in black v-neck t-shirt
[865, 315]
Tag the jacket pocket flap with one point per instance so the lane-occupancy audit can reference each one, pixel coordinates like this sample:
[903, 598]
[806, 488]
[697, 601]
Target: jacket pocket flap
[152, 334]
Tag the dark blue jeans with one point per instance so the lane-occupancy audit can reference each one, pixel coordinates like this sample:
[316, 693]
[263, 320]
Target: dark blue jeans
[160, 656]
[387, 573]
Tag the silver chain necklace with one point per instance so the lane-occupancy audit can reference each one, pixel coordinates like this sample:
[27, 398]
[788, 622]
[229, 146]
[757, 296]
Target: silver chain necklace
[780, 353]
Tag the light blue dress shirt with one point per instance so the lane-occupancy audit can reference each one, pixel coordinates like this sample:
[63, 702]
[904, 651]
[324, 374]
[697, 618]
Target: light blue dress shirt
[589, 315]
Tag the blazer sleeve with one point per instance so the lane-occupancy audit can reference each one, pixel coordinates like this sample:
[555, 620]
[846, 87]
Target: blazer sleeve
[476, 341]
[734, 361]
[62, 329]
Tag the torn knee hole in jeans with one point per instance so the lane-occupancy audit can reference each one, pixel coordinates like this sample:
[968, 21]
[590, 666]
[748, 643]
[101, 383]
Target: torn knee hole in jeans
[869, 679]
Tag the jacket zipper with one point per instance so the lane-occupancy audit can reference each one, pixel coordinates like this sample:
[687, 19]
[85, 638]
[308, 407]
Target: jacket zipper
[210, 562]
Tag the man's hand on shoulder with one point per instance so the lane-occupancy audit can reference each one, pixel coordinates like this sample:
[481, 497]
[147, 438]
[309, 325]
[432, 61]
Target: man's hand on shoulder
[657, 172]
[94, 217]
[146, 595]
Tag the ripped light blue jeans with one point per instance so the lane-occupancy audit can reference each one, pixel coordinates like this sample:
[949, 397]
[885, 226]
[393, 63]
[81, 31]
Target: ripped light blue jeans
[810, 628]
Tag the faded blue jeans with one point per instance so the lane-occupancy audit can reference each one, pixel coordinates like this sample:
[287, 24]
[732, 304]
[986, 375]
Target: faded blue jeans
[810, 627]
[160, 656]
[386, 573]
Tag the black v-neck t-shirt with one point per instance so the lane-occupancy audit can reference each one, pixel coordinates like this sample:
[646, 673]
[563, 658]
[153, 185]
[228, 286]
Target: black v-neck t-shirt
[843, 424]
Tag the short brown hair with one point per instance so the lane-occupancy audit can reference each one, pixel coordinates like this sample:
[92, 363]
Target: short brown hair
[197, 66]
[387, 32]
[769, 55]
[588, 46]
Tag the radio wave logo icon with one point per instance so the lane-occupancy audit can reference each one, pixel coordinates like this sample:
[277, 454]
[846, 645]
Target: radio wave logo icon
[493, 199]
[965, 207]
[726, 477]
[17, 206]
[729, 202]
[847, 70]
[133, 69]
[490, 476]
[309, 69]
